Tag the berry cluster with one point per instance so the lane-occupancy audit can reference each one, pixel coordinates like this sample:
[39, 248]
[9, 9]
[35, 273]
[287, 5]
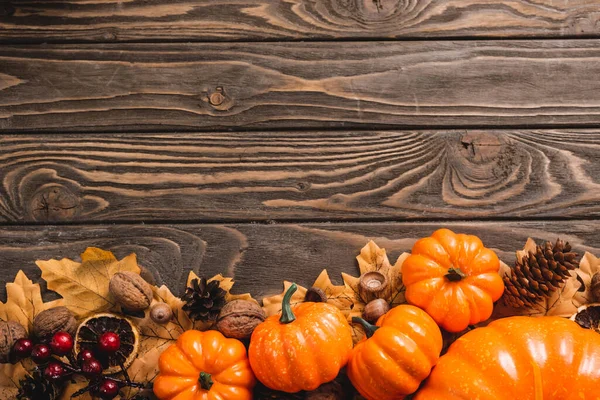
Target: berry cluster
[54, 370]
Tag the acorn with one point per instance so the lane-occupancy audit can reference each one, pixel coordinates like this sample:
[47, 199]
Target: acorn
[161, 313]
[10, 332]
[315, 295]
[238, 318]
[372, 285]
[52, 320]
[131, 291]
[375, 309]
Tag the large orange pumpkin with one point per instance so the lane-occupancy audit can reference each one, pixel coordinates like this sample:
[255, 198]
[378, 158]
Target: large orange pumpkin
[301, 349]
[454, 278]
[204, 366]
[397, 354]
[549, 358]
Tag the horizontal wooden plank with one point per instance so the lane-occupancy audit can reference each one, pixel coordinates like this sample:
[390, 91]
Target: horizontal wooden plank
[300, 176]
[260, 257]
[110, 20]
[299, 85]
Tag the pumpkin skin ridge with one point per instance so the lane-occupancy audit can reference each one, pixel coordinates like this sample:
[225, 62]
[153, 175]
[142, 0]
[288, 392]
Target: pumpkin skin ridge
[559, 350]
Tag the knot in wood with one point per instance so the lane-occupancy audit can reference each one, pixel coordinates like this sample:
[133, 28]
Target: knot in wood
[54, 203]
[218, 99]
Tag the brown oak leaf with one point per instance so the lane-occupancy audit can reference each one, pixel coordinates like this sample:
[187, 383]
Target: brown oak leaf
[588, 267]
[24, 301]
[272, 304]
[84, 286]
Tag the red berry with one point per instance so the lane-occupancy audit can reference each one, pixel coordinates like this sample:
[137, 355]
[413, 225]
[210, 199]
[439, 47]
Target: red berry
[40, 353]
[85, 355]
[108, 389]
[61, 343]
[55, 371]
[22, 348]
[91, 367]
[109, 342]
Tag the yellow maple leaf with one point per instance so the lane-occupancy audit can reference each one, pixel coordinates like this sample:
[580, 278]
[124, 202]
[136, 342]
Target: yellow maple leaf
[84, 286]
[588, 267]
[24, 301]
[272, 304]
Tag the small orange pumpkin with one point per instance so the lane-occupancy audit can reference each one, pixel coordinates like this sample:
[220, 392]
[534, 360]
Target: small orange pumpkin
[548, 358]
[301, 349]
[454, 278]
[204, 366]
[397, 354]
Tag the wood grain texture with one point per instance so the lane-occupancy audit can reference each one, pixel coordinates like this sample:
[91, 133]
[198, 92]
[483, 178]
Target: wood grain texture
[299, 85]
[260, 257]
[300, 176]
[110, 20]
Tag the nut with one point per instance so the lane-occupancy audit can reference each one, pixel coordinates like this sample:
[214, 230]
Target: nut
[10, 332]
[375, 309]
[595, 286]
[239, 318]
[161, 313]
[131, 291]
[53, 320]
[372, 285]
[315, 295]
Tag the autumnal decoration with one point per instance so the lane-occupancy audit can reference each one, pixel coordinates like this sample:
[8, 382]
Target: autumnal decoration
[10, 333]
[161, 313]
[130, 290]
[519, 358]
[397, 354]
[588, 274]
[315, 295]
[204, 365]
[588, 317]
[239, 318]
[538, 272]
[375, 309]
[53, 320]
[454, 278]
[302, 348]
[204, 300]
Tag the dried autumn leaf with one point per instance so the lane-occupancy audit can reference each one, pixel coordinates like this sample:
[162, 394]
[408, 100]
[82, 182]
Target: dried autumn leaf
[10, 376]
[588, 267]
[84, 286]
[530, 247]
[71, 388]
[272, 305]
[224, 283]
[24, 301]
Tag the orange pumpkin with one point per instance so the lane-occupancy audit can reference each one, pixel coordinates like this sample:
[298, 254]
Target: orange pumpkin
[301, 349]
[549, 358]
[397, 354]
[454, 278]
[204, 366]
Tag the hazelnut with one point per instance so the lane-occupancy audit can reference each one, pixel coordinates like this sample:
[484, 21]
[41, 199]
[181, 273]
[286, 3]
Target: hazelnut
[315, 295]
[10, 332]
[595, 286]
[372, 285]
[375, 309]
[53, 320]
[161, 313]
[239, 318]
[131, 291]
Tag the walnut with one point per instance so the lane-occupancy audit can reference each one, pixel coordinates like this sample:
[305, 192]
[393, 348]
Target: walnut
[53, 320]
[10, 332]
[239, 318]
[131, 291]
[161, 313]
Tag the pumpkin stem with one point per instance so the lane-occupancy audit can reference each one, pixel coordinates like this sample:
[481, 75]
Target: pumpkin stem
[369, 328]
[287, 315]
[205, 380]
[455, 275]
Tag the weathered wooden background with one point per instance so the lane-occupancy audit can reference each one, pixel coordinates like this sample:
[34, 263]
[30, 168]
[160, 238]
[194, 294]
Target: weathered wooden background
[268, 140]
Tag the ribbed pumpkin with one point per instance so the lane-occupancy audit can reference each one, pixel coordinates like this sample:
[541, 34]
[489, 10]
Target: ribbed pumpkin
[454, 278]
[549, 358]
[397, 354]
[204, 366]
[301, 349]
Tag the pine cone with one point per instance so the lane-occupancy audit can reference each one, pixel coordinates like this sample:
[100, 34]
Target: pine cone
[539, 274]
[36, 387]
[204, 300]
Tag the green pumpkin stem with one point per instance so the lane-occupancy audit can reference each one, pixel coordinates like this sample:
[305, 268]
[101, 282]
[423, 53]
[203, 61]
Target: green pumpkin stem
[369, 328]
[205, 380]
[287, 315]
[455, 275]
